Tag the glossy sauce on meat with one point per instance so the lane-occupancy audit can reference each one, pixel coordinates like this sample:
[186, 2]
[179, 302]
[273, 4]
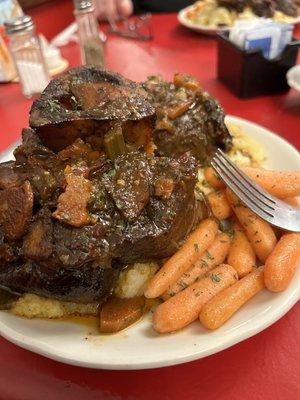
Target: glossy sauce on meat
[188, 119]
[90, 201]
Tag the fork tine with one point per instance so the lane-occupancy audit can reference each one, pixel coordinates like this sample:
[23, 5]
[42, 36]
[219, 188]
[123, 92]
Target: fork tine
[248, 183]
[234, 186]
[250, 193]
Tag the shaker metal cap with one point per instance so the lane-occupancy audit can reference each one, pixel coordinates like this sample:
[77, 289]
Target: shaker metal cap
[19, 24]
[81, 5]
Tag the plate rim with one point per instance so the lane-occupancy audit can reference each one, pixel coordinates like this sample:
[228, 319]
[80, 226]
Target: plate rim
[261, 323]
[291, 77]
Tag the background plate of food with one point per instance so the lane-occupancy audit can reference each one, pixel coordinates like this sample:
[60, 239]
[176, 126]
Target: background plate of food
[77, 341]
[213, 16]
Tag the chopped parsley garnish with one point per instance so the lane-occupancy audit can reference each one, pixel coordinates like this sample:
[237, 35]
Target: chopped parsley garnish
[54, 105]
[74, 102]
[182, 285]
[196, 247]
[208, 255]
[111, 173]
[215, 278]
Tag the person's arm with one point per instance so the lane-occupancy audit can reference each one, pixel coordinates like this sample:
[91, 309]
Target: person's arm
[112, 9]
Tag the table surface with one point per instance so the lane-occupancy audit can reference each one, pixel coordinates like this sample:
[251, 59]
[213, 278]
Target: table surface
[264, 367]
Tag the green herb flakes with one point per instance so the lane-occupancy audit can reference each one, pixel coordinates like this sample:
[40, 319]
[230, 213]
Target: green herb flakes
[54, 105]
[208, 255]
[215, 278]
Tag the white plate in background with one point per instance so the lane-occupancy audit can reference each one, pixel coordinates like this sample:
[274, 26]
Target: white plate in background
[208, 30]
[182, 18]
[293, 77]
[139, 346]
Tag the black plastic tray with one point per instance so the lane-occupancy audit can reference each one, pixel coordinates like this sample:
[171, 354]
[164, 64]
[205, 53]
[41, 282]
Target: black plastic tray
[248, 73]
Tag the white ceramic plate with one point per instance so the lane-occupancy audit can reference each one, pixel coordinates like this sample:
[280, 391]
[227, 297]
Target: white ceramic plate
[293, 77]
[182, 18]
[139, 346]
[208, 30]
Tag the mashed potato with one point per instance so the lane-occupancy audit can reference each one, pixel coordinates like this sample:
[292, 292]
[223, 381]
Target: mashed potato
[131, 283]
[132, 280]
[33, 306]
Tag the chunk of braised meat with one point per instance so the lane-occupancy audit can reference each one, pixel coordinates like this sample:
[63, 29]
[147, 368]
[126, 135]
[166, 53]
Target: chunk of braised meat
[72, 203]
[164, 187]
[40, 166]
[32, 146]
[262, 8]
[77, 267]
[7, 299]
[188, 119]
[6, 251]
[45, 169]
[166, 220]
[58, 260]
[72, 248]
[128, 184]
[288, 7]
[79, 150]
[16, 210]
[88, 101]
[38, 242]
[9, 176]
[90, 283]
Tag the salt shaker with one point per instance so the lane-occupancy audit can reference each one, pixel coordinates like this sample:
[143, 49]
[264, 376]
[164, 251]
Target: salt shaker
[27, 55]
[91, 41]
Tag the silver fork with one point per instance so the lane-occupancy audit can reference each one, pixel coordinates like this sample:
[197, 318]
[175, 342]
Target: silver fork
[137, 27]
[268, 207]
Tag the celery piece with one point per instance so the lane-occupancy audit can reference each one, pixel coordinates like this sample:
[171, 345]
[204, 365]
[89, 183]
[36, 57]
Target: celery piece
[114, 143]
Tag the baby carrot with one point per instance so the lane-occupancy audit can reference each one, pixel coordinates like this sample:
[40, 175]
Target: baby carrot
[241, 255]
[281, 264]
[183, 259]
[213, 179]
[293, 201]
[212, 257]
[221, 307]
[184, 307]
[259, 232]
[280, 184]
[219, 204]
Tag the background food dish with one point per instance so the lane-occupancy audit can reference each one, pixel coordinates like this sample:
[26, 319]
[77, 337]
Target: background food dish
[213, 19]
[139, 347]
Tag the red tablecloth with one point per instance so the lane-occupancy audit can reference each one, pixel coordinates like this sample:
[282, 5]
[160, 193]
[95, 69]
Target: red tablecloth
[265, 367]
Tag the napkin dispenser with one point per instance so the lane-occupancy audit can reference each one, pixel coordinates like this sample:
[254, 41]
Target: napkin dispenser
[248, 74]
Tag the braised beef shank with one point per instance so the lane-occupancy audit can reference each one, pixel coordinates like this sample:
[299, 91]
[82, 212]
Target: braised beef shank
[88, 101]
[127, 221]
[188, 119]
[73, 213]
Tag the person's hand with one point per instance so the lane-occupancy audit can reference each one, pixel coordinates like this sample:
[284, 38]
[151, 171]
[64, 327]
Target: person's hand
[113, 9]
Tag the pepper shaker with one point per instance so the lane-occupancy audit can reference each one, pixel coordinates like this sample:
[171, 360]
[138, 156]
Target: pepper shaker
[91, 40]
[27, 55]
